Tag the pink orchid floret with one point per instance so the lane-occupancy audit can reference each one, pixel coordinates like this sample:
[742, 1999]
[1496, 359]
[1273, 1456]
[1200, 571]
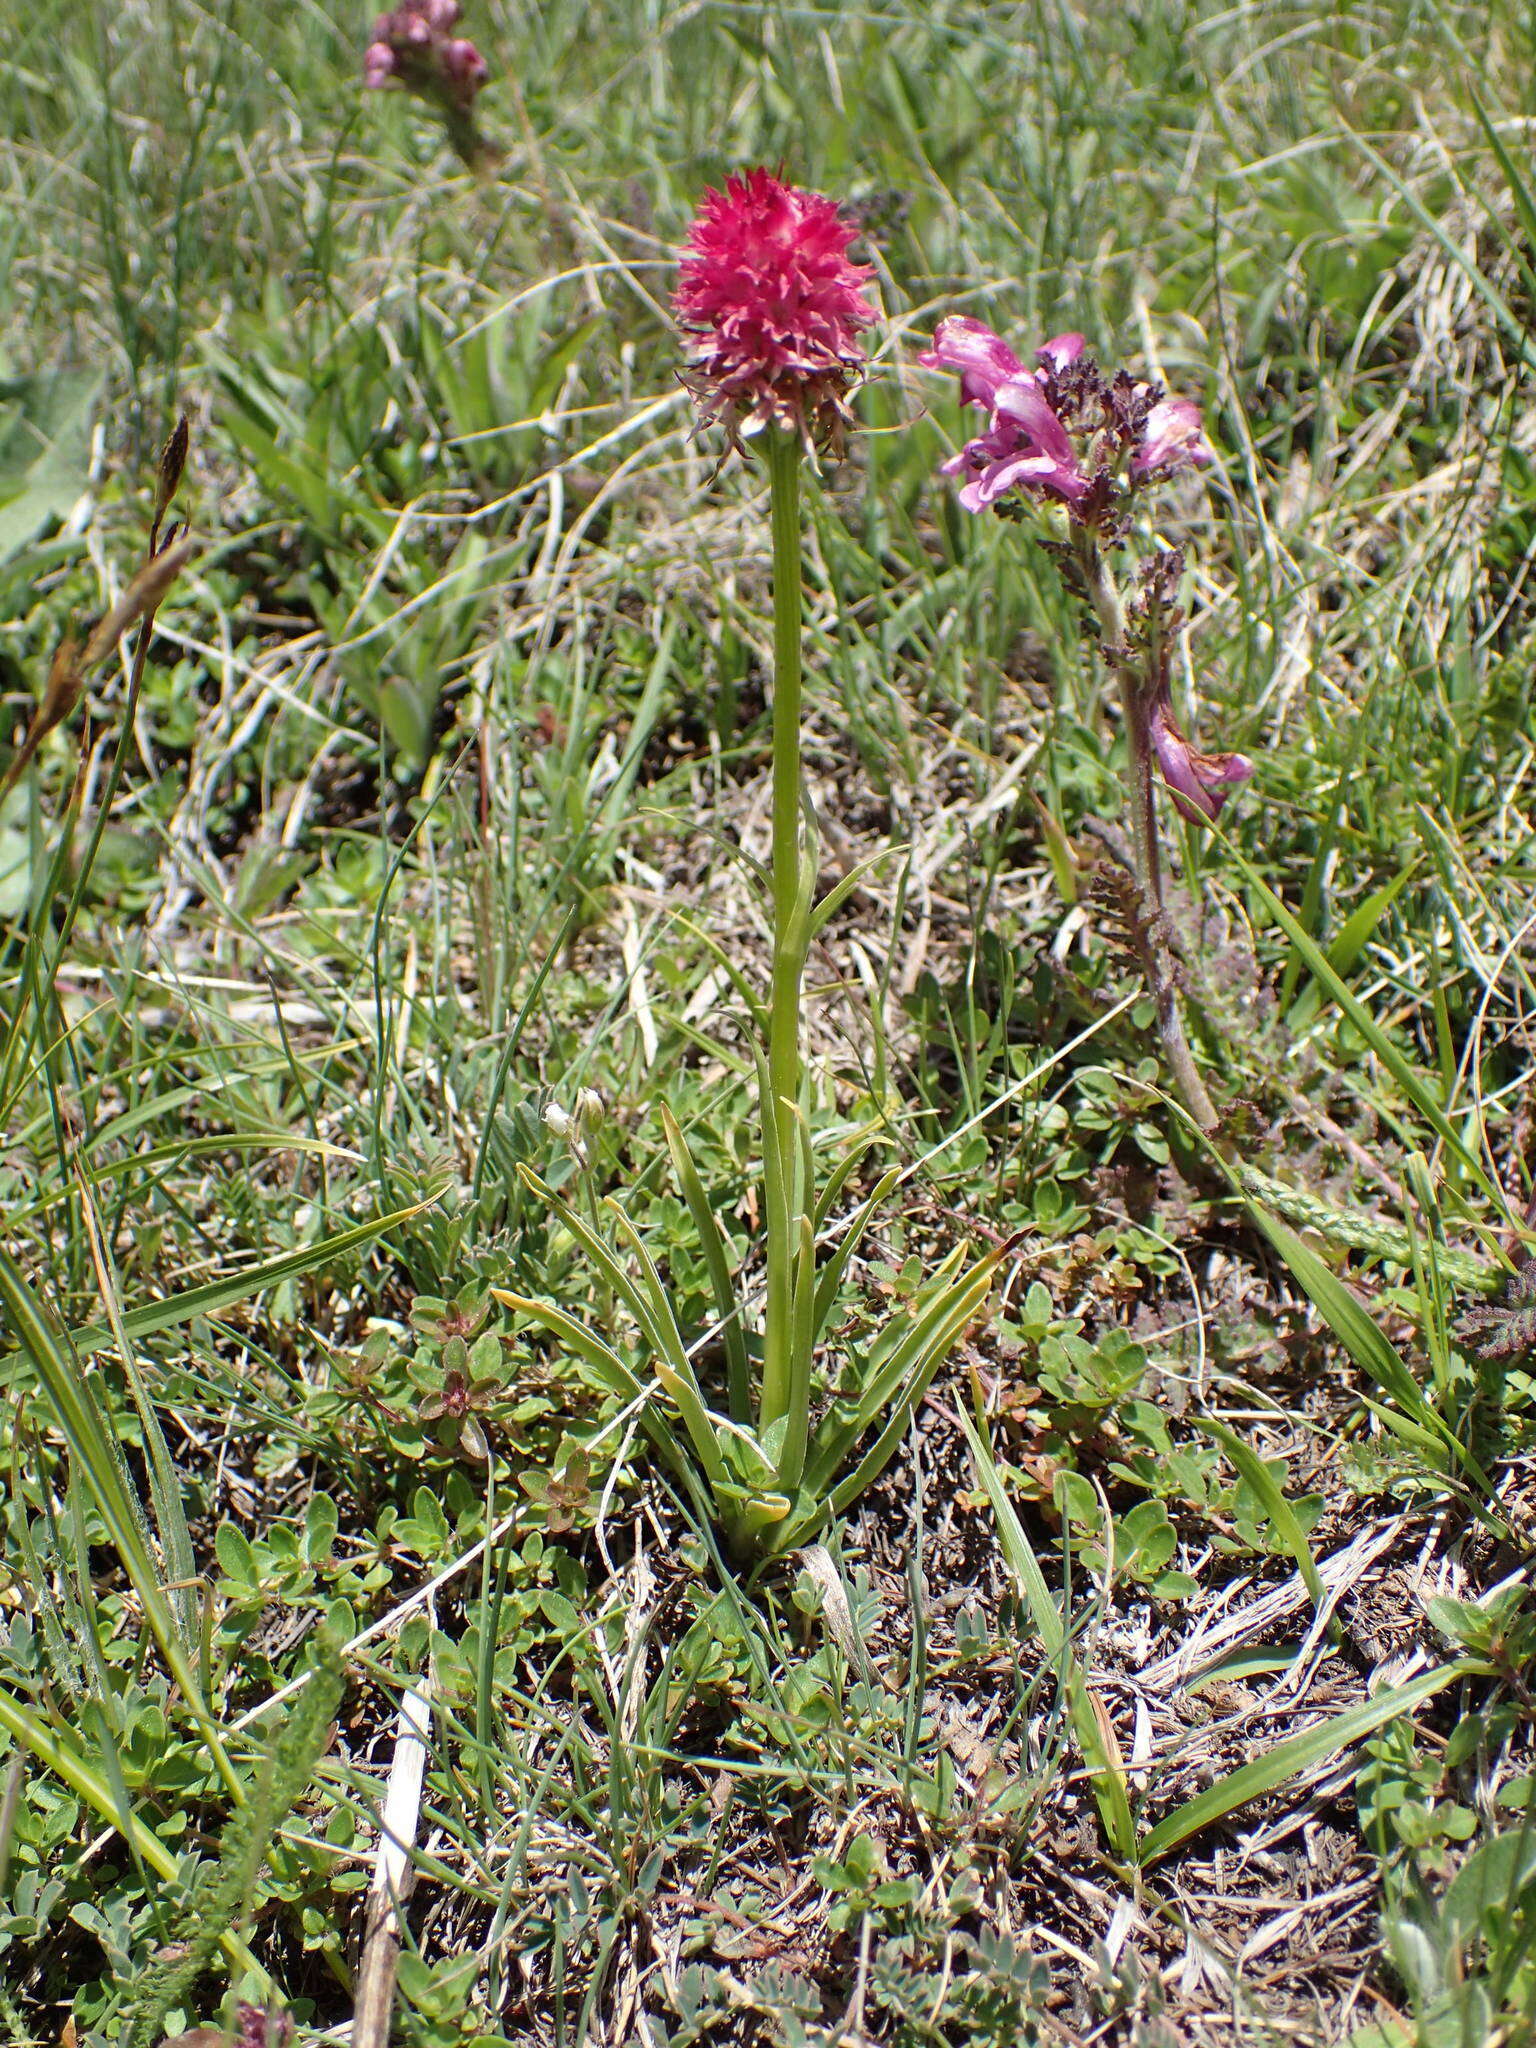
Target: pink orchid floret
[1171, 439]
[1200, 783]
[772, 308]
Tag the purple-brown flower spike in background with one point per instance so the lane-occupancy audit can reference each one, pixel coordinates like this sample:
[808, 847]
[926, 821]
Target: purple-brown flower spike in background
[413, 48]
[772, 308]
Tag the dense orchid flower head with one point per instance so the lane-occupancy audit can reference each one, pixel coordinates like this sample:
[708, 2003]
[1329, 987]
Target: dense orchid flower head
[772, 308]
[412, 47]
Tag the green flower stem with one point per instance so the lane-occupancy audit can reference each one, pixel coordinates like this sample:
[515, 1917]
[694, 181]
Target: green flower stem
[1156, 960]
[786, 1377]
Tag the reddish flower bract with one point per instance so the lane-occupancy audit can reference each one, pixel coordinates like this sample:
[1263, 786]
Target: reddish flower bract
[772, 308]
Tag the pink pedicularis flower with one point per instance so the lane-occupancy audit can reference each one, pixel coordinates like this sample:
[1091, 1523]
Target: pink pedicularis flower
[412, 47]
[772, 308]
[1198, 783]
[1066, 432]
[1026, 446]
[1062, 430]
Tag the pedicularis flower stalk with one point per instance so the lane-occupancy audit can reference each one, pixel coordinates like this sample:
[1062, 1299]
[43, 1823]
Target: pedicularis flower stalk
[1063, 433]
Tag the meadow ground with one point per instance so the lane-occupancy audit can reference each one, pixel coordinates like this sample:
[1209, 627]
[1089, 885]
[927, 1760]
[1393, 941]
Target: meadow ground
[1172, 1682]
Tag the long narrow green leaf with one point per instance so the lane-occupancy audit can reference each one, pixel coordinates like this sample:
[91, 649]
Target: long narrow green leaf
[837, 1434]
[611, 1370]
[611, 1373]
[832, 1272]
[1412, 1083]
[1368, 1345]
[839, 1178]
[663, 1317]
[164, 1486]
[967, 1301]
[1287, 1760]
[802, 1293]
[1519, 191]
[613, 1272]
[1105, 1776]
[1355, 932]
[1276, 1506]
[215, 1296]
[97, 1461]
[802, 1356]
[777, 1369]
[755, 1007]
[674, 1367]
[717, 1263]
[839, 893]
[653, 1312]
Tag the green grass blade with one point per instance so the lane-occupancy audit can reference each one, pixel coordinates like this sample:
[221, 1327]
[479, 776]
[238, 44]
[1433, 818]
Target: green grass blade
[1454, 253]
[1104, 1774]
[1411, 1082]
[1354, 935]
[1287, 1760]
[175, 1537]
[1368, 1345]
[97, 1461]
[718, 1264]
[215, 1296]
[1280, 1512]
